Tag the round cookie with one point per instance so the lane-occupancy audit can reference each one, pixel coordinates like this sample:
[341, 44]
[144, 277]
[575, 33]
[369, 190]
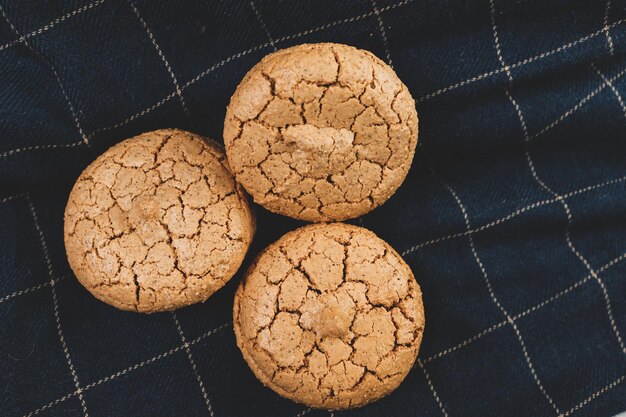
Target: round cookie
[157, 222]
[329, 316]
[321, 132]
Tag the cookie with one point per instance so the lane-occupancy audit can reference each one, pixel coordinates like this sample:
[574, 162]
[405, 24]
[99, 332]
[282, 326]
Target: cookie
[321, 132]
[329, 316]
[157, 222]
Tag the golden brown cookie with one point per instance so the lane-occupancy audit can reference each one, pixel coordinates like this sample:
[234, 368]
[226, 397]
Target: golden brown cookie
[157, 222]
[321, 132]
[329, 316]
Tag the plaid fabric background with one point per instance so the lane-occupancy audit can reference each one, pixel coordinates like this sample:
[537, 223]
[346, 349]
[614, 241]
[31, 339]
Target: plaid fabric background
[513, 216]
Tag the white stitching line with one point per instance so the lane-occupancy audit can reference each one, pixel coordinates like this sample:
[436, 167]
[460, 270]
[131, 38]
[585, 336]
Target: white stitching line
[135, 116]
[346, 20]
[540, 203]
[512, 215]
[517, 64]
[609, 40]
[183, 88]
[40, 147]
[568, 214]
[612, 87]
[459, 84]
[381, 27]
[222, 63]
[569, 112]
[52, 24]
[568, 239]
[594, 396]
[492, 293]
[177, 88]
[129, 369]
[243, 53]
[432, 388]
[497, 41]
[56, 75]
[578, 105]
[193, 364]
[570, 288]
[526, 312]
[509, 318]
[31, 289]
[57, 318]
[595, 275]
[304, 412]
[263, 26]
[12, 197]
[532, 367]
[465, 342]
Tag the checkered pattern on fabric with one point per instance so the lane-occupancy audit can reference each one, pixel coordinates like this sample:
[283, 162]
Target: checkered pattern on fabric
[513, 217]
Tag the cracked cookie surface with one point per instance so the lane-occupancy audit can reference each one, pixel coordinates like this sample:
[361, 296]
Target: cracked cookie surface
[321, 132]
[329, 316]
[157, 222]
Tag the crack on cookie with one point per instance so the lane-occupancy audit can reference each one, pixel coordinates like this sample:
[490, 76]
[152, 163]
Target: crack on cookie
[137, 291]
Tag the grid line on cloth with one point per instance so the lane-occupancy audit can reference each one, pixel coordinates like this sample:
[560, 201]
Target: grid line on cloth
[41, 147]
[519, 63]
[420, 364]
[205, 396]
[56, 76]
[560, 199]
[526, 312]
[383, 33]
[166, 63]
[568, 237]
[127, 370]
[494, 28]
[607, 33]
[52, 24]
[536, 204]
[594, 396]
[492, 294]
[578, 105]
[512, 215]
[263, 25]
[31, 289]
[610, 84]
[304, 412]
[55, 302]
[12, 197]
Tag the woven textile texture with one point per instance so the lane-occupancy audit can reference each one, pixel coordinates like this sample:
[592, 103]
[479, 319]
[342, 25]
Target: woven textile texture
[513, 217]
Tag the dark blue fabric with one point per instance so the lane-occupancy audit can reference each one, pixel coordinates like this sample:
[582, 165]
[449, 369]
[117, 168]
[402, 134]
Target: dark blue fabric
[513, 217]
